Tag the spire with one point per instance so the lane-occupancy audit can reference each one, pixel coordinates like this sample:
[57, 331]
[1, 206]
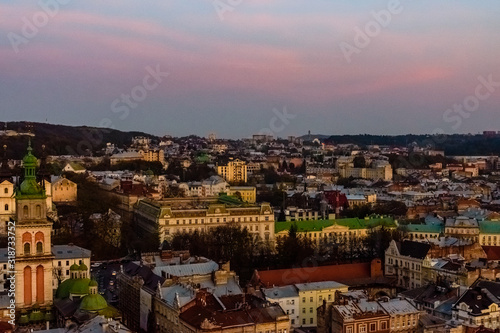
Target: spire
[43, 172]
[5, 171]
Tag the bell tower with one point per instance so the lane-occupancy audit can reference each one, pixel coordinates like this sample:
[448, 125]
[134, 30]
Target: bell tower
[33, 239]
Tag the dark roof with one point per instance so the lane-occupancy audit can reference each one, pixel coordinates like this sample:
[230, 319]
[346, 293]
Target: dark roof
[339, 273]
[477, 299]
[150, 279]
[414, 249]
[491, 286]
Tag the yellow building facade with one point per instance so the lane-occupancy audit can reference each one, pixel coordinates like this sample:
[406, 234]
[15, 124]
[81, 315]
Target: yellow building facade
[234, 171]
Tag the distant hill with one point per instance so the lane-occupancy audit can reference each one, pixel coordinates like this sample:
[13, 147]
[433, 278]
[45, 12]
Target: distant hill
[453, 145]
[64, 140]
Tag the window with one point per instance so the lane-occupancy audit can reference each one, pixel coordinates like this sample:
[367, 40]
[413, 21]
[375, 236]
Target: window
[349, 329]
[320, 298]
[303, 310]
[59, 263]
[311, 321]
[6, 207]
[303, 321]
[330, 297]
[383, 325]
[310, 310]
[25, 211]
[67, 262]
[39, 248]
[362, 328]
[373, 327]
[6, 191]
[303, 299]
[310, 299]
[27, 248]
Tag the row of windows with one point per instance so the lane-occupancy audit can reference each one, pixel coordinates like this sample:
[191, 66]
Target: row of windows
[320, 298]
[218, 220]
[371, 326]
[406, 264]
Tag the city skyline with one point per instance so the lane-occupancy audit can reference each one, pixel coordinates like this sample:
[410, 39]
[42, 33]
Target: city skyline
[234, 66]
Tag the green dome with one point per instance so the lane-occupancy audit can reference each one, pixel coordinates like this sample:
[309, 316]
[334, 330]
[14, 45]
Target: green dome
[93, 283]
[80, 287]
[93, 303]
[30, 159]
[24, 319]
[83, 267]
[109, 312]
[30, 187]
[74, 267]
[73, 286]
[36, 316]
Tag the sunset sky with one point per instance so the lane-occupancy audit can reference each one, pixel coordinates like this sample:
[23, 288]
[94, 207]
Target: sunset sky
[228, 70]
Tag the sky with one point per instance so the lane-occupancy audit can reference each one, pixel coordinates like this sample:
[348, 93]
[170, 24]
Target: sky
[242, 67]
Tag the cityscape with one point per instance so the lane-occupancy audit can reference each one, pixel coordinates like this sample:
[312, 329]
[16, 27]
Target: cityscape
[231, 166]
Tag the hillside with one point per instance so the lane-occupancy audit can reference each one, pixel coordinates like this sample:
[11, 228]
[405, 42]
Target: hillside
[453, 145]
[64, 140]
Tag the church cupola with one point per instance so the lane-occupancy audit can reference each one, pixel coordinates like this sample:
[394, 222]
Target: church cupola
[29, 186]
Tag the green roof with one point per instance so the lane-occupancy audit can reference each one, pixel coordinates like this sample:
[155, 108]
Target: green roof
[489, 227]
[73, 286]
[351, 223]
[429, 228]
[83, 267]
[93, 283]
[76, 166]
[24, 319]
[93, 303]
[74, 267]
[109, 312]
[36, 316]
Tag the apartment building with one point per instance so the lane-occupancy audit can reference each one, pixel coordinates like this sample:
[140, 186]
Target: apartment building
[235, 171]
[404, 260]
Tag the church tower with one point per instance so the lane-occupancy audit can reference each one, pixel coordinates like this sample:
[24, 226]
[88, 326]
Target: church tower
[33, 240]
[7, 200]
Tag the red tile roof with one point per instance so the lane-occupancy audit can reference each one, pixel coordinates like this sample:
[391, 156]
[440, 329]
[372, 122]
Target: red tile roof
[492, 252]
[338, 273]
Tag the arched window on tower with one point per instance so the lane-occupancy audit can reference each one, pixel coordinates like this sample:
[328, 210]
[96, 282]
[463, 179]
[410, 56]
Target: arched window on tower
[27, 248]
[27, 243]
[38, 211]
[6, 207]
[39, 242]
[25, 211]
